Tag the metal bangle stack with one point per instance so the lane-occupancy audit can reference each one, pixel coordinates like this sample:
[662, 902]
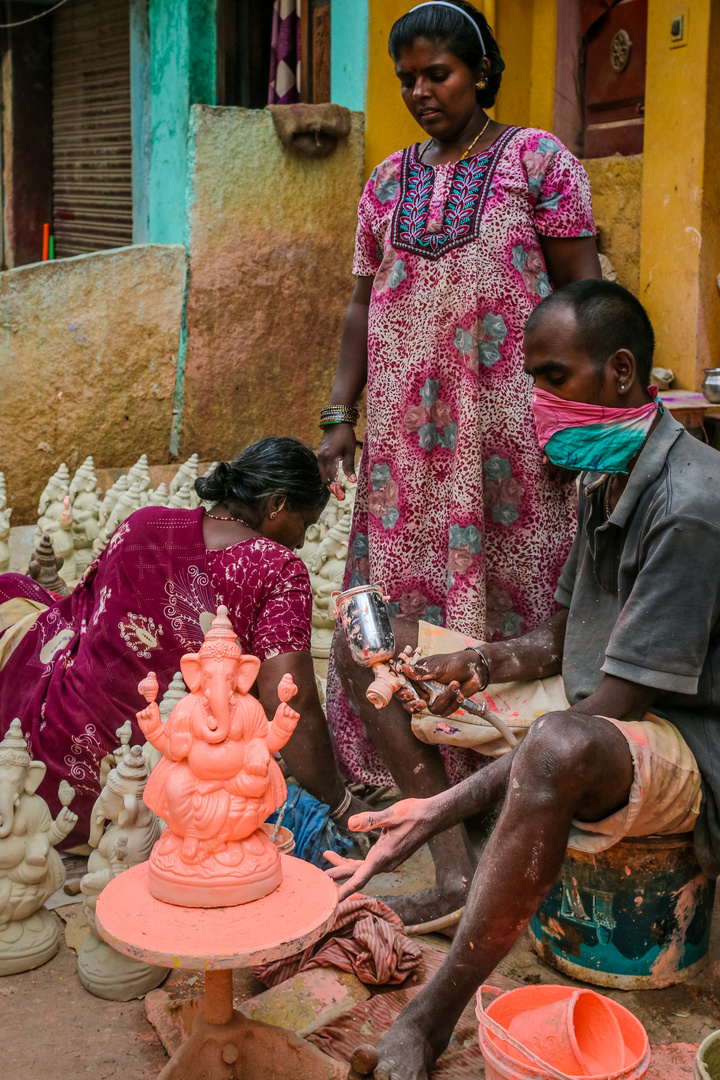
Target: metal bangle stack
[342, 806]
[338, 414]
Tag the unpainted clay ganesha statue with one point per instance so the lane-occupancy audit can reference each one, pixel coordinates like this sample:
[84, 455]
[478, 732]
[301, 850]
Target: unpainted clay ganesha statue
[217, 780]
[30, 869]
[122, 834]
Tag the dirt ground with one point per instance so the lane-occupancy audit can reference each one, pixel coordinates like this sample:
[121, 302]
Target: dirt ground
[52, 1029]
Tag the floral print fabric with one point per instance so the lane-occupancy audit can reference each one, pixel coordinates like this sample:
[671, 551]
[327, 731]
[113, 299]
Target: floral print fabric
[454, 509]
[149, 598]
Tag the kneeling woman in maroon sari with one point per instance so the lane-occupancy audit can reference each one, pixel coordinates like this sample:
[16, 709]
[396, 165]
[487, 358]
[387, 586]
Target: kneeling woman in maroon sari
[69, 669]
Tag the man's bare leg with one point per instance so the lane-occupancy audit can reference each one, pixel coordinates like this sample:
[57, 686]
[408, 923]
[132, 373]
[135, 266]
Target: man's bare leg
[419, 772]
[566, 767]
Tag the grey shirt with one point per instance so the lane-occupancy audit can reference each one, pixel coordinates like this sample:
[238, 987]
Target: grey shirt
[643, 591]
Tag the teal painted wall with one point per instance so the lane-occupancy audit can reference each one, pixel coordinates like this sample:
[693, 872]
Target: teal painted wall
[182, 73]
[140, 117]
[349, 53]
[202, 25]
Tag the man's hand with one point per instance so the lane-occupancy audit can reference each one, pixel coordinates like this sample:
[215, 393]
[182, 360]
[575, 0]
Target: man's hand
[406, 826]
[455, 670]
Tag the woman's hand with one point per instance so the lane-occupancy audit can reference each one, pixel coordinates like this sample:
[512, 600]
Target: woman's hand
[406, 826]
[338, 441]
[337, 444]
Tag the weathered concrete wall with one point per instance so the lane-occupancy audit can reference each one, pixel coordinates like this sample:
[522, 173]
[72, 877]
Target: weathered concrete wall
[617, 205]
[271, 242]
[88, 361]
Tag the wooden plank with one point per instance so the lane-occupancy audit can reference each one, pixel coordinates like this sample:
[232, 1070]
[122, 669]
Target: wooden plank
[321, 55]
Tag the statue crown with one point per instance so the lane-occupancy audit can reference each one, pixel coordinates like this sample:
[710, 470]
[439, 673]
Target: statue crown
[132, 769]
[221, 641]
[13, 748]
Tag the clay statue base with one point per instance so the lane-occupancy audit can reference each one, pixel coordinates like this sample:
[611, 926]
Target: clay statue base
[110, 975]
[29, 943]
[224, 1044]
[221, 880]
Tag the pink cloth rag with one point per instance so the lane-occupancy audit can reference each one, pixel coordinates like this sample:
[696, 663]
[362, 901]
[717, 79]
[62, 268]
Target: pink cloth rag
[367, 938]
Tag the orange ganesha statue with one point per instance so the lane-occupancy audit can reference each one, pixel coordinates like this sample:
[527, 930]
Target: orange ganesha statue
[217, 780]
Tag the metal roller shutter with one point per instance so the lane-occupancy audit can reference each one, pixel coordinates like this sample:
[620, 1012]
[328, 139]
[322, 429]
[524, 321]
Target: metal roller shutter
[92, 139]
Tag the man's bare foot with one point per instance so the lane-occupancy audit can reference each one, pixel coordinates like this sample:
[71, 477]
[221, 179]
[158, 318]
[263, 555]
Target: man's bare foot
[409, 1050]
[422, 907]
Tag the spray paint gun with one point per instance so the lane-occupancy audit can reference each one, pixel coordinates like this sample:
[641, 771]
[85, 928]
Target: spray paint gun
[365, 619]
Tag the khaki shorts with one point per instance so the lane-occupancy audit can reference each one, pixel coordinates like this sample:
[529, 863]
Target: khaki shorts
[665, 795]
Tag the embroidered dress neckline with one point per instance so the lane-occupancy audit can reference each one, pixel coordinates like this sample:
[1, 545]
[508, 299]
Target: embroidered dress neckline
[469, 187]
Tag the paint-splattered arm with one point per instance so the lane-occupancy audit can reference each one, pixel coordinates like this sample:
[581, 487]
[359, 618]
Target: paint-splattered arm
[536, 655]
[409, 824]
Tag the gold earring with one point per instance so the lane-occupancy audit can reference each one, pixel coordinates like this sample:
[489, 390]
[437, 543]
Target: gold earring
[481, 83]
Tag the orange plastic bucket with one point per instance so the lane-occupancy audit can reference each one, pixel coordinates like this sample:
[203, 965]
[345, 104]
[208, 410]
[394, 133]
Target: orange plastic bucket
[560, 1033]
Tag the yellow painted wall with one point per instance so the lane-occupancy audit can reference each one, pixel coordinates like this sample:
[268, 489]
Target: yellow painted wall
[542, 64]
[526, 31]
[514, 34]
[708, 352]
[675, 259]
[617, 206]
[389, 125]
[680, 229]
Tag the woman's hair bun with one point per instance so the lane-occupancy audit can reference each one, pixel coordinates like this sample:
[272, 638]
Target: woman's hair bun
[216, 485]
[274, 466]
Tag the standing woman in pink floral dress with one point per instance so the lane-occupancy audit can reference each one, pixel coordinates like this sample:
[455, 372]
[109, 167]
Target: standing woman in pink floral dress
[459, 238]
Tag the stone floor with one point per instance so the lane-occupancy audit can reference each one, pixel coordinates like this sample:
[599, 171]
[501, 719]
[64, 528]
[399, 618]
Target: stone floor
[51, 1029]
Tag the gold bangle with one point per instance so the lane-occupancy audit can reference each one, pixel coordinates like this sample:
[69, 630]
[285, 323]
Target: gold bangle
[339, 414]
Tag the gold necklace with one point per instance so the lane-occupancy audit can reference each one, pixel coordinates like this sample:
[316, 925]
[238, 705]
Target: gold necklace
[479, 134]
[462, 158]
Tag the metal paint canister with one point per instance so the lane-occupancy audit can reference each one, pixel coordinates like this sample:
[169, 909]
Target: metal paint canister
[635, 917]
[365, 618]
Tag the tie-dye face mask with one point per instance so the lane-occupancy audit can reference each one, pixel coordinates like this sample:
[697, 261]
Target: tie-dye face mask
[578, 436]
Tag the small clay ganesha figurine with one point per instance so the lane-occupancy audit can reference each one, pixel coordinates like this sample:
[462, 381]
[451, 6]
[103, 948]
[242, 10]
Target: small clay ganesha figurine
[217, 781]
[123, 833]
[30, 869]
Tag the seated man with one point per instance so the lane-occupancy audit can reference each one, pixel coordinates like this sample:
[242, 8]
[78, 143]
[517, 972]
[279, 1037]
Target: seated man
[637, 750]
